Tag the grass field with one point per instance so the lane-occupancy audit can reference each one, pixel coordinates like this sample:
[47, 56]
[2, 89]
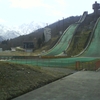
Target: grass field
[17, 79]
[16, 53]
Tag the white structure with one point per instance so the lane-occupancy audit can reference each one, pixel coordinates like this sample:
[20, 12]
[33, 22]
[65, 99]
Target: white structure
[47, 34]
[0, 49]
[60, 32]
[13, 49]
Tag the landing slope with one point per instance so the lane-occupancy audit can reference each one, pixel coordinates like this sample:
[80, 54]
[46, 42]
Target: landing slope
[65, 39]
[64, 42]
[93, 48]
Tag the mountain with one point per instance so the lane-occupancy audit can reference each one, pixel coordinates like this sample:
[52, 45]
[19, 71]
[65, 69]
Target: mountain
[36, 31]
[30, 27]
[1, 38]
[7, 33]
[15, 31]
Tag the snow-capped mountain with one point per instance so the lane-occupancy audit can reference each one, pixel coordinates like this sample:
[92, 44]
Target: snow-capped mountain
[7, 33]
[30, 27]
[15, 31]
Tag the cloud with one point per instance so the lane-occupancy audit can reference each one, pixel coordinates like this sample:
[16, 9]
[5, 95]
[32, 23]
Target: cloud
[61, 2]
[26, 3]
[2, 20]
[57, 8]
[55, 12]
[36, 3]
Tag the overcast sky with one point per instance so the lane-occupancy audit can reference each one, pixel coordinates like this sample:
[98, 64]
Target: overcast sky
[17, 12]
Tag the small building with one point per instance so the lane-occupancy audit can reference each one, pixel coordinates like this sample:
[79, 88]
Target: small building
[28, 46]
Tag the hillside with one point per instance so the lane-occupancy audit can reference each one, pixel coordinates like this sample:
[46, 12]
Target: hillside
[56, 27]
[78, 43]
[17, 79]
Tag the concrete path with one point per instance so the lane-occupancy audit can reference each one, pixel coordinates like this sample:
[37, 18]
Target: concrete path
[83, 85]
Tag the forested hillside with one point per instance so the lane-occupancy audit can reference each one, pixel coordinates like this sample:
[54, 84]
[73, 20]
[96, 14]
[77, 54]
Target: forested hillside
[56, 27]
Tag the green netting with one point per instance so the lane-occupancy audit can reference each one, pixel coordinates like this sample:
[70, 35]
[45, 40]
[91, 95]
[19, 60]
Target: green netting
[61, 62]
[93, 49]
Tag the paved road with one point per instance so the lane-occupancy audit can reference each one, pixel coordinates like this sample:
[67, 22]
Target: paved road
[83, 85]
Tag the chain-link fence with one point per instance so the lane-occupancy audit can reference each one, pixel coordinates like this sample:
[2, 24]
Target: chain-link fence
[78, 63]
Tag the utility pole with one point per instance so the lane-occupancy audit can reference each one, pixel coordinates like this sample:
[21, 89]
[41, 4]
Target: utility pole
[63, 24]
[58, 25]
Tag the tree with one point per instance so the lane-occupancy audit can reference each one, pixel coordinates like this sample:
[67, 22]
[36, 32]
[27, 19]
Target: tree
[39, 42]
[43, 38]
[5, 42]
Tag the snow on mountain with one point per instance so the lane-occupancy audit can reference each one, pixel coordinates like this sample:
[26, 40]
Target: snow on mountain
[10, 34]
[28, 28]
[7, 33]
[15, 31]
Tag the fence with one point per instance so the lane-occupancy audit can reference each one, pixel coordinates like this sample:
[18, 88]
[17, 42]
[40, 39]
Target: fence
[76, 63]
[94, 65]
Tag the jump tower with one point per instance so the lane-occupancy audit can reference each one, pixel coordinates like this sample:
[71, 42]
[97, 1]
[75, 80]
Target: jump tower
[96, 8]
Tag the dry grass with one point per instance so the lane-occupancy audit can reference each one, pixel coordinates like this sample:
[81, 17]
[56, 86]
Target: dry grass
[16, 53]
[17, 79]
[45, 47]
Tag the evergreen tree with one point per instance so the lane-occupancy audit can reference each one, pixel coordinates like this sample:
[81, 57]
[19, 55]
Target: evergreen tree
[39, 42]
[43, 38]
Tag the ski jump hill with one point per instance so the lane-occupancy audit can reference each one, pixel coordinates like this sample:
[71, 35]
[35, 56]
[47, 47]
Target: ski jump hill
[65, 40]
[93, 47]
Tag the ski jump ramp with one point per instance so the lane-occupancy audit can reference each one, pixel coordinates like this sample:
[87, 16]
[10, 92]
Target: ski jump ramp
[93, 47]
[65, 40]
